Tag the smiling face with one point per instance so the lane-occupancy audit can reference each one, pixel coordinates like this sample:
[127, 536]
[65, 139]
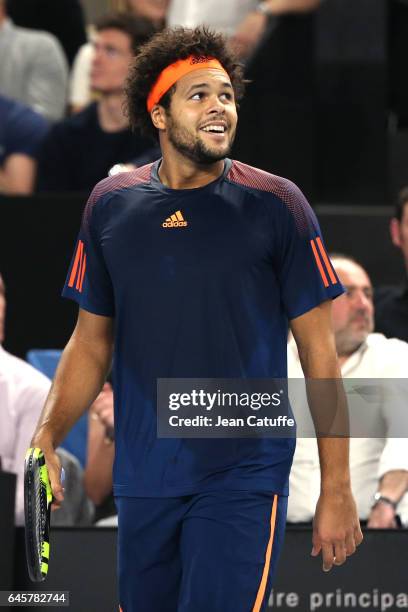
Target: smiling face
[201, 121]
[353, 312]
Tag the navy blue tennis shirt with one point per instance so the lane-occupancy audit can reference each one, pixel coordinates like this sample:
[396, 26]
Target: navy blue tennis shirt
[201, 284]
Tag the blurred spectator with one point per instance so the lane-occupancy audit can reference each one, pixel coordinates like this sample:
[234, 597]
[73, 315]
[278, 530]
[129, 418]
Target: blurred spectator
[64, 19]
[223, 16]
[277, 130]
[153, 10]
[378, 464]
[33, 68]
[23, 391]
[245, 21]
[80, 150]
[100, 453]
[77, 510]
[21, 134]
[80, 86]
[391, 303]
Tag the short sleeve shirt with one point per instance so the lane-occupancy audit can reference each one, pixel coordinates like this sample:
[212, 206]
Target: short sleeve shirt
[201, 283]
[21, 130]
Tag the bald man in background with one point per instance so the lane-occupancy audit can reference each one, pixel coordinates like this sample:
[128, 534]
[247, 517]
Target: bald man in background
[379, 465]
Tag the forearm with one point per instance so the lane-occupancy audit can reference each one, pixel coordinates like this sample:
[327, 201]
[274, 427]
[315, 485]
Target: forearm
[279, 7]
[394, 484]
[79, 378]
[328, 407]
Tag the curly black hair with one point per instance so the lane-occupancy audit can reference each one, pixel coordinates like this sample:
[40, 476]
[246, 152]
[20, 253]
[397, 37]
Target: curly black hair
[164, 49]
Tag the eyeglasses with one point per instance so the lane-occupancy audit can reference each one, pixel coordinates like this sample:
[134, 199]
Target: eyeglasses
[110, 51]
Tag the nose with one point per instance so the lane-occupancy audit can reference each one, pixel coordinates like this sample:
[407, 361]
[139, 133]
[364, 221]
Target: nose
[215, 105]
[361, 301]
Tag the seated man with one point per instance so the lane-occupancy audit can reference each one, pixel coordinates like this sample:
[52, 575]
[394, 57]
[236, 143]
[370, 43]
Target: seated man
[391, 303]
[81, 150]
[21, 134]
[100, 454]
[245, 22]
[379, 466]
[23, 391]
[33, 68]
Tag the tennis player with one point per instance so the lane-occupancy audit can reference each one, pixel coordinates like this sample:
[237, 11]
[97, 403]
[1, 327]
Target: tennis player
[192, 267]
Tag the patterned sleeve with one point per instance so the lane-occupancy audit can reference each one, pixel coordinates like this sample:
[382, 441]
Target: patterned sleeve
[306, 275]
[88, 281]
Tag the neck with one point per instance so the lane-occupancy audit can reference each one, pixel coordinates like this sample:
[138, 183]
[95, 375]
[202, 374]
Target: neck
[178, 172]
[110, 113]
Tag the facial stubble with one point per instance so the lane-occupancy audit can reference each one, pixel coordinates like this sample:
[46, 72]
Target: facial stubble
[193, 147]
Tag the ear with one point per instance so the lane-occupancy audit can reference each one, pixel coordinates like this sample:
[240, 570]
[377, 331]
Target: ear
[158, 116]
[395, 232]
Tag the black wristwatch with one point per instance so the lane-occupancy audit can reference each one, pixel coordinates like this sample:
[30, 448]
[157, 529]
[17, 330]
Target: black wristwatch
[386, 500]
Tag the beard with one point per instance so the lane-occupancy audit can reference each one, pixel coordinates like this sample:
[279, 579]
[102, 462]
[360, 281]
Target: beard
[348, 340]
[193, 147]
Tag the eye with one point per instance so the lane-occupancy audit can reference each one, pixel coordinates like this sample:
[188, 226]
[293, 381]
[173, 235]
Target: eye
[197, 96]
[226, 95]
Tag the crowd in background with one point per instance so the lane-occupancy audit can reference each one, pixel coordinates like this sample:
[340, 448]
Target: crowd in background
[63, 128]
[62, 111]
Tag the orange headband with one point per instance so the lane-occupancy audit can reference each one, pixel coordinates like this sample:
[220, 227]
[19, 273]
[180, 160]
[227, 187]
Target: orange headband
[174, 72]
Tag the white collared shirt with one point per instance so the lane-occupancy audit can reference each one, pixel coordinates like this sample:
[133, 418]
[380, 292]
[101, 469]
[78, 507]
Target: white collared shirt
[370, 458]
[23, 391]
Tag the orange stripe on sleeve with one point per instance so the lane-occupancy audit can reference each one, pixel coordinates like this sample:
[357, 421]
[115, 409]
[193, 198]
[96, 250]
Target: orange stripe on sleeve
[75, 266]
[82, 274]
[319, 264]
[326, 261]
[80, 266]
[262, 587]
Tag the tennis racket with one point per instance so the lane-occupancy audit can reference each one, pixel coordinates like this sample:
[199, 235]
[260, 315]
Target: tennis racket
[37, 510]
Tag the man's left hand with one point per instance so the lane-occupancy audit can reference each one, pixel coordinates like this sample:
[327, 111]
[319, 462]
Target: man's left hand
[336, 528]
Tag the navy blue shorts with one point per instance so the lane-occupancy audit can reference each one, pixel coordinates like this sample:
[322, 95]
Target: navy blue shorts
[210, 552]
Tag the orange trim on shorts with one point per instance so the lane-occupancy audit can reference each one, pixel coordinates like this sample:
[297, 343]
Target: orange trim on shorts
[170, 75]
[75, 266]
[262, 587]
[326, 260]
[319, 264]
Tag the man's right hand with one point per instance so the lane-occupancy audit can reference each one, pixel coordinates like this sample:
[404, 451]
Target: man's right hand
[54, 471]
[336, 527]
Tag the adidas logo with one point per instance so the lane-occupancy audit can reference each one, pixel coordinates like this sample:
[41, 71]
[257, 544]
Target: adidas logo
[176, 220]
